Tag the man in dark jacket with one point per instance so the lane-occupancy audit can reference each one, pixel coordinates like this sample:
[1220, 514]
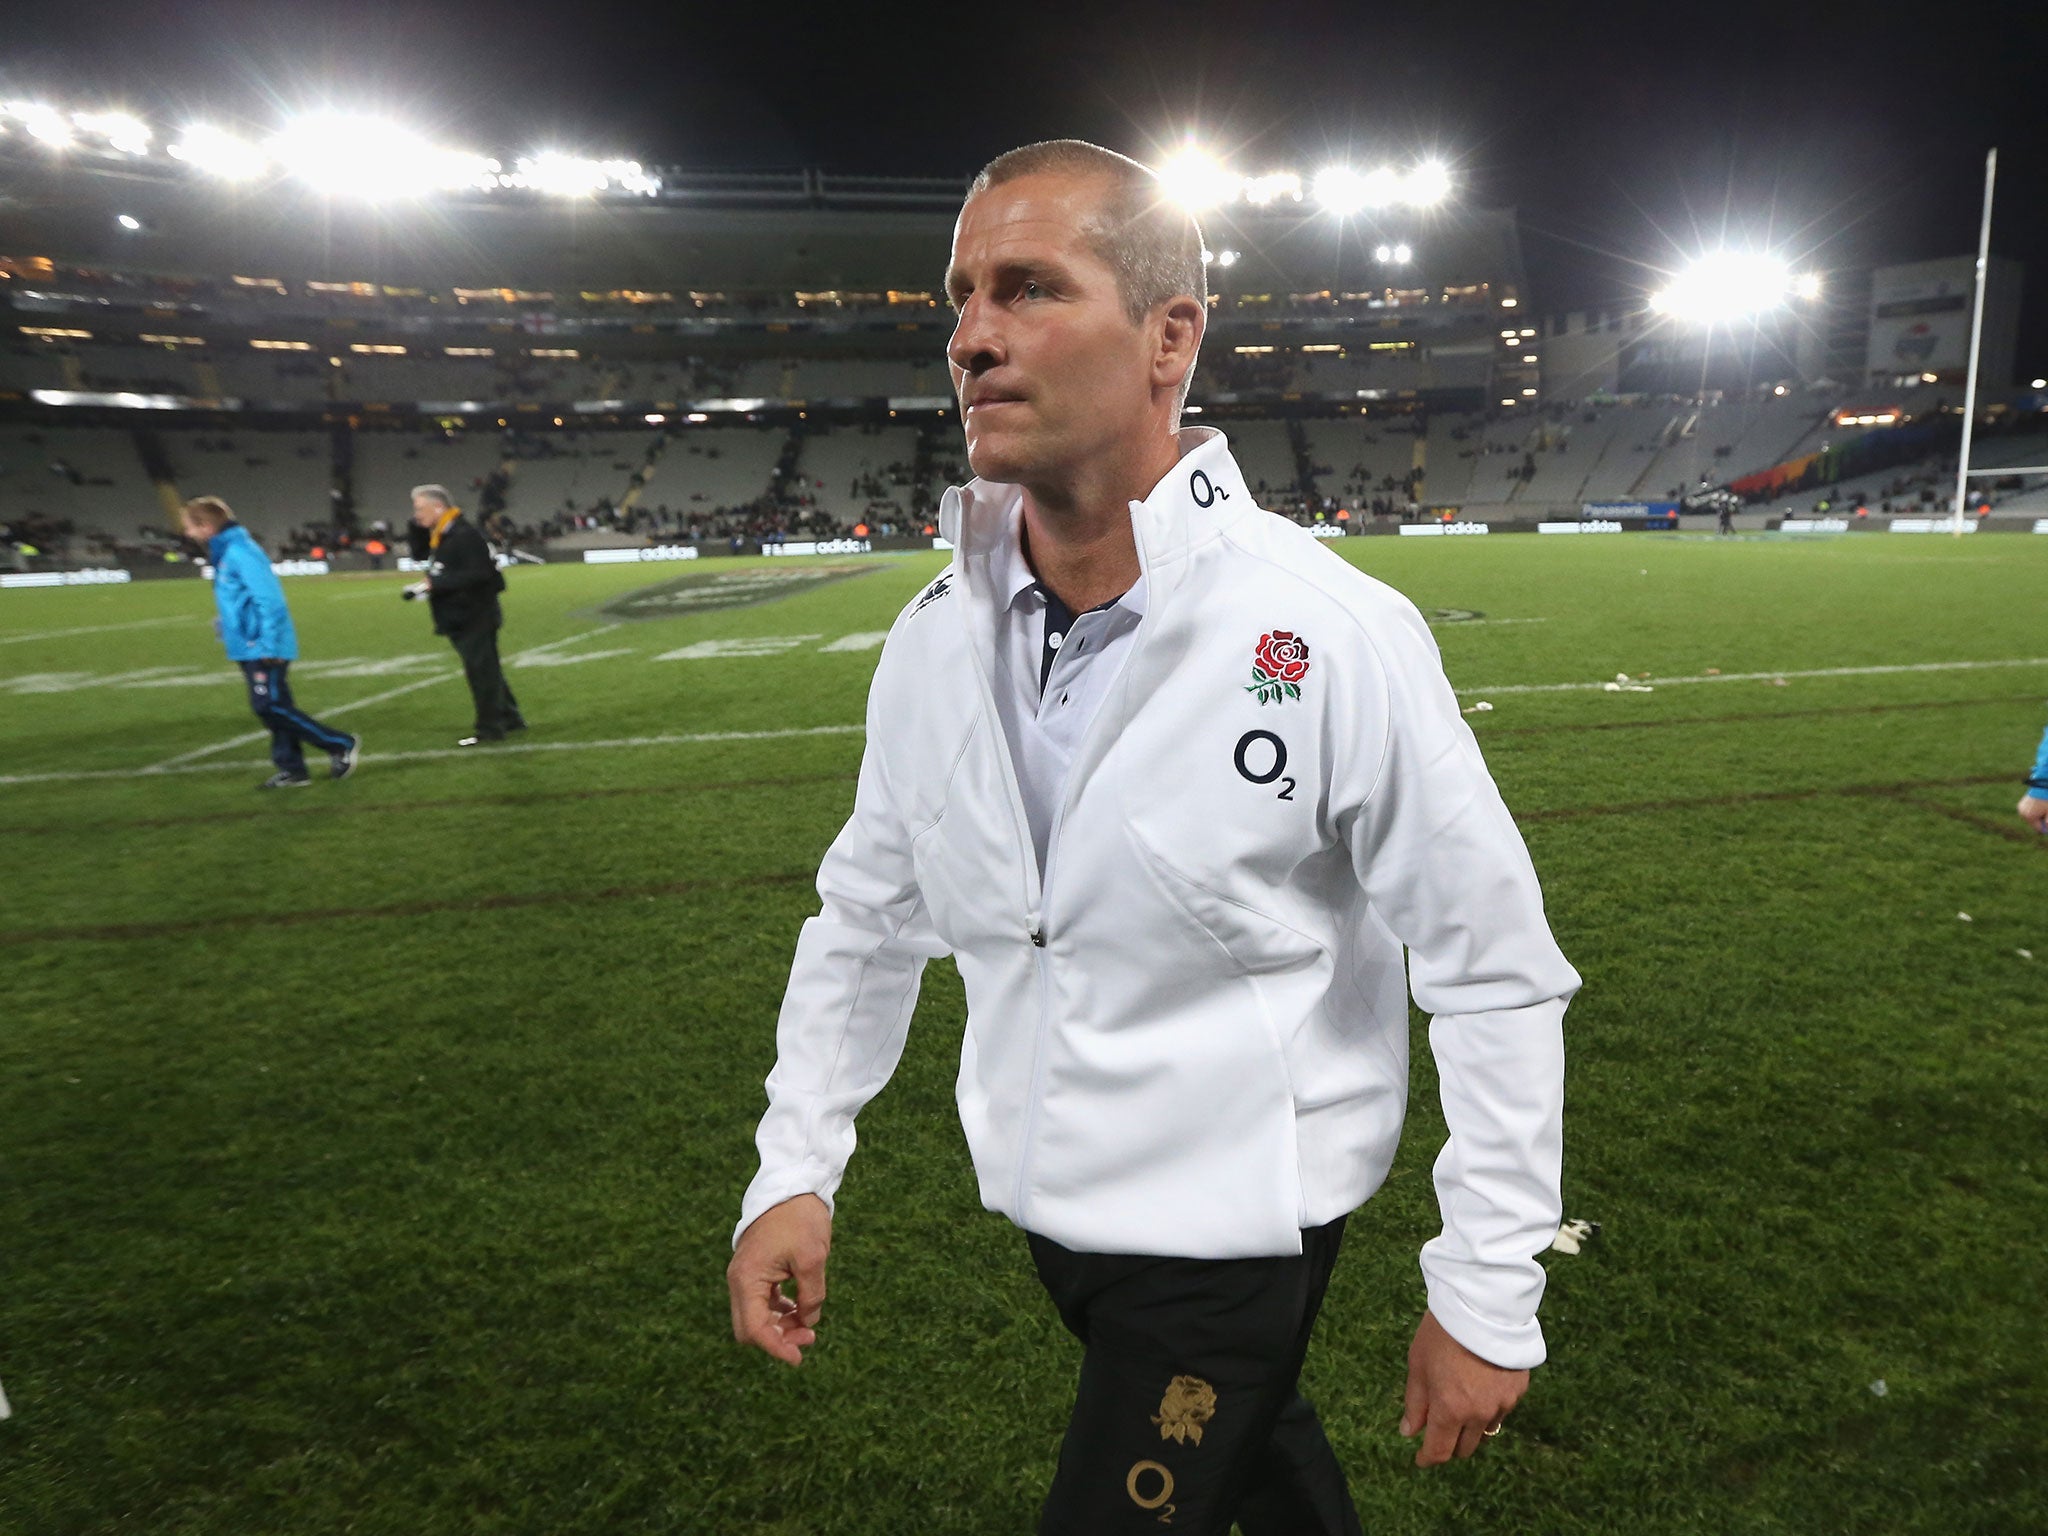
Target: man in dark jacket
[462, 587]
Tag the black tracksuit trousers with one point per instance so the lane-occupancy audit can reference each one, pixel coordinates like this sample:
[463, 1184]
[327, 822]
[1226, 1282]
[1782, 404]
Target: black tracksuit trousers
[1188, 1416]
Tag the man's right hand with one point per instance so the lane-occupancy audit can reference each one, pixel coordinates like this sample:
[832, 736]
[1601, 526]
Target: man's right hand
[785, 1242]
[2035, 812]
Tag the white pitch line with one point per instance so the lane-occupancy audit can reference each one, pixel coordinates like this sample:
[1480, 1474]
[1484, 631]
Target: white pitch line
[173, 764]
[93, 629]
[1752, 677]
[170, 763]
[433, 753]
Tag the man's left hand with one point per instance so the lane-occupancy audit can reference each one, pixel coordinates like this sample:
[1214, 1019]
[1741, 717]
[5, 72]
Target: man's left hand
[1454, 1397]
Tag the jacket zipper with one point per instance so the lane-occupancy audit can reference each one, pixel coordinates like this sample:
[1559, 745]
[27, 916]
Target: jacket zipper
[1039, 884]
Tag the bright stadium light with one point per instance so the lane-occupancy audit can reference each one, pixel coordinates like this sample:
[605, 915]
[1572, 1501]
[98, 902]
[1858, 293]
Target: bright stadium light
[128, 221]
[1383, 253]
[1428, 184]
[217, 153]
[1403, 255]
[1263, 191]
[1725, 286]
[574, 176]
[1226, 258]
[123, 133]
[1806, 285]
[41, 122]
[344, 155]
[1343, 191]
[1197, 180]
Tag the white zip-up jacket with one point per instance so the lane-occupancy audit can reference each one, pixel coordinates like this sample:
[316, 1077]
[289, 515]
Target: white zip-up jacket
[1190, 1036]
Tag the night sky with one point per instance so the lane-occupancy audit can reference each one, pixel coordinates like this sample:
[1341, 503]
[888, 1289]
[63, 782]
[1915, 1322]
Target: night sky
[1626, 136]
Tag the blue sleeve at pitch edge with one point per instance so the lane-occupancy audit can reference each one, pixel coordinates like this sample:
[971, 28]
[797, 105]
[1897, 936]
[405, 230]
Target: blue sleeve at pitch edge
[2037, 781]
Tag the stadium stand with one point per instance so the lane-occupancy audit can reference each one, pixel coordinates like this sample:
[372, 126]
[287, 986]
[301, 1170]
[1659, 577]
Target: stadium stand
[855, 472]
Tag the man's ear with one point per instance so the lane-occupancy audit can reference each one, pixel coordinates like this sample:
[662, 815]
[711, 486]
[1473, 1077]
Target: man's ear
[1180, 338]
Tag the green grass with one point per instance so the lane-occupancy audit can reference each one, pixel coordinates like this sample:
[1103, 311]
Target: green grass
[368, 1155]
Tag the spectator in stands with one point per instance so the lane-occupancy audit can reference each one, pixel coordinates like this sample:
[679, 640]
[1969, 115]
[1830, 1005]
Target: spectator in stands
[256, 627]
[462, 587]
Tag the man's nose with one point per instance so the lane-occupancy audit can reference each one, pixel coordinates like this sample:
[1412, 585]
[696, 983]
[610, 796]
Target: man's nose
[976, 344]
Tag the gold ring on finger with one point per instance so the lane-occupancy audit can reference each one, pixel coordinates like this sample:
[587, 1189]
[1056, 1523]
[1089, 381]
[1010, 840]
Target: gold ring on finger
[1492, 1432]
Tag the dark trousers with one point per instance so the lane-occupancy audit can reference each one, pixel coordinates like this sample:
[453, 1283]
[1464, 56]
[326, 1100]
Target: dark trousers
[270, 698]
[1189, 1415]
[496, 710]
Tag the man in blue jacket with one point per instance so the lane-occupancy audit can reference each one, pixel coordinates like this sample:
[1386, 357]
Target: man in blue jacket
[2034, 803]
[256, 627]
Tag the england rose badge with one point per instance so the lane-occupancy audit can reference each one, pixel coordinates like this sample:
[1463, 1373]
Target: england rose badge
[1278, 666]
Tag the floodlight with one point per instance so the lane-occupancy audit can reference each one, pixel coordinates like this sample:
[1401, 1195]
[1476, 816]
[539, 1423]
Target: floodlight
[128, 221]
[45, 123]
[1429, 183]
[574, 176]
[1196, 180]
[1724, 286]
[1383, 253]
[122, 132]
[2039, 384]
[340, 154]
[1226, 258]
[1403, 255]
[219, 154]
[1260, 191]
[1341, 190]
[1807, 285]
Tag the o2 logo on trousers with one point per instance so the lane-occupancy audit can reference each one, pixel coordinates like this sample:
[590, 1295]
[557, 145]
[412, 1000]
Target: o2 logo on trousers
[1138, 1484]
[1263, 746]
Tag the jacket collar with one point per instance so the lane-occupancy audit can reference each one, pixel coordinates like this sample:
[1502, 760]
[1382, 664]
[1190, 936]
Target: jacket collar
[1200, 496]
[217, 545]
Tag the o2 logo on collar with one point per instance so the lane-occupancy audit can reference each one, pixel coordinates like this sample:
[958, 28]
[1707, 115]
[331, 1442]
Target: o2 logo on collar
[1205, 491]
[1267, 747]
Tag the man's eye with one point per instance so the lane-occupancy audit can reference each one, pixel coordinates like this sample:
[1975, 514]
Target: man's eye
[1032, 290]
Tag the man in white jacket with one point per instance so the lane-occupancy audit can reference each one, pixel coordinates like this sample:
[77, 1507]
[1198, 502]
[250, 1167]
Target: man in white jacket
[1175, 785]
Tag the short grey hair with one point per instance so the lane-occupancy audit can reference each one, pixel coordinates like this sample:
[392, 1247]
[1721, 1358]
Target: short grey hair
[1150, 242]
[436, 492]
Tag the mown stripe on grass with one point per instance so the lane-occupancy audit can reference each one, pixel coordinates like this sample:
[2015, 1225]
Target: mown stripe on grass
[431, 754]
[1886, 670]
[501, 902]
[1489, 729]
[299, 809]
[1897, 791]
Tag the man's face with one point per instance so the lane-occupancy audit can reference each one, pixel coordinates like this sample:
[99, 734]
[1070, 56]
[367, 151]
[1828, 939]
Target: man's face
[426, 511]
[197, 531]
[1048, 368]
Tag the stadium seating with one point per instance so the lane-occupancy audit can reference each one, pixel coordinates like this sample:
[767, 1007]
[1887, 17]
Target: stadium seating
[709, 467]
[1265, 456]
[276, 481]
[848, 470]
[89, 476]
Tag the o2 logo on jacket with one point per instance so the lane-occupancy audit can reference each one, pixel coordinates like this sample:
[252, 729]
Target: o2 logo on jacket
[1261, 758]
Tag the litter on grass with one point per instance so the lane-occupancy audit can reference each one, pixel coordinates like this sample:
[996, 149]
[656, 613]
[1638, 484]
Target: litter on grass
[1878, 1388]
[2024, 954]
[6, 1411]
[1964, 917]
[1574, 1235]
[1481, 708]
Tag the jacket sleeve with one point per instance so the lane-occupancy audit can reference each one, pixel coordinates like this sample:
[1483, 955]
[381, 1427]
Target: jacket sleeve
[2037, 781]
[1443, 865]
[852, 987]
